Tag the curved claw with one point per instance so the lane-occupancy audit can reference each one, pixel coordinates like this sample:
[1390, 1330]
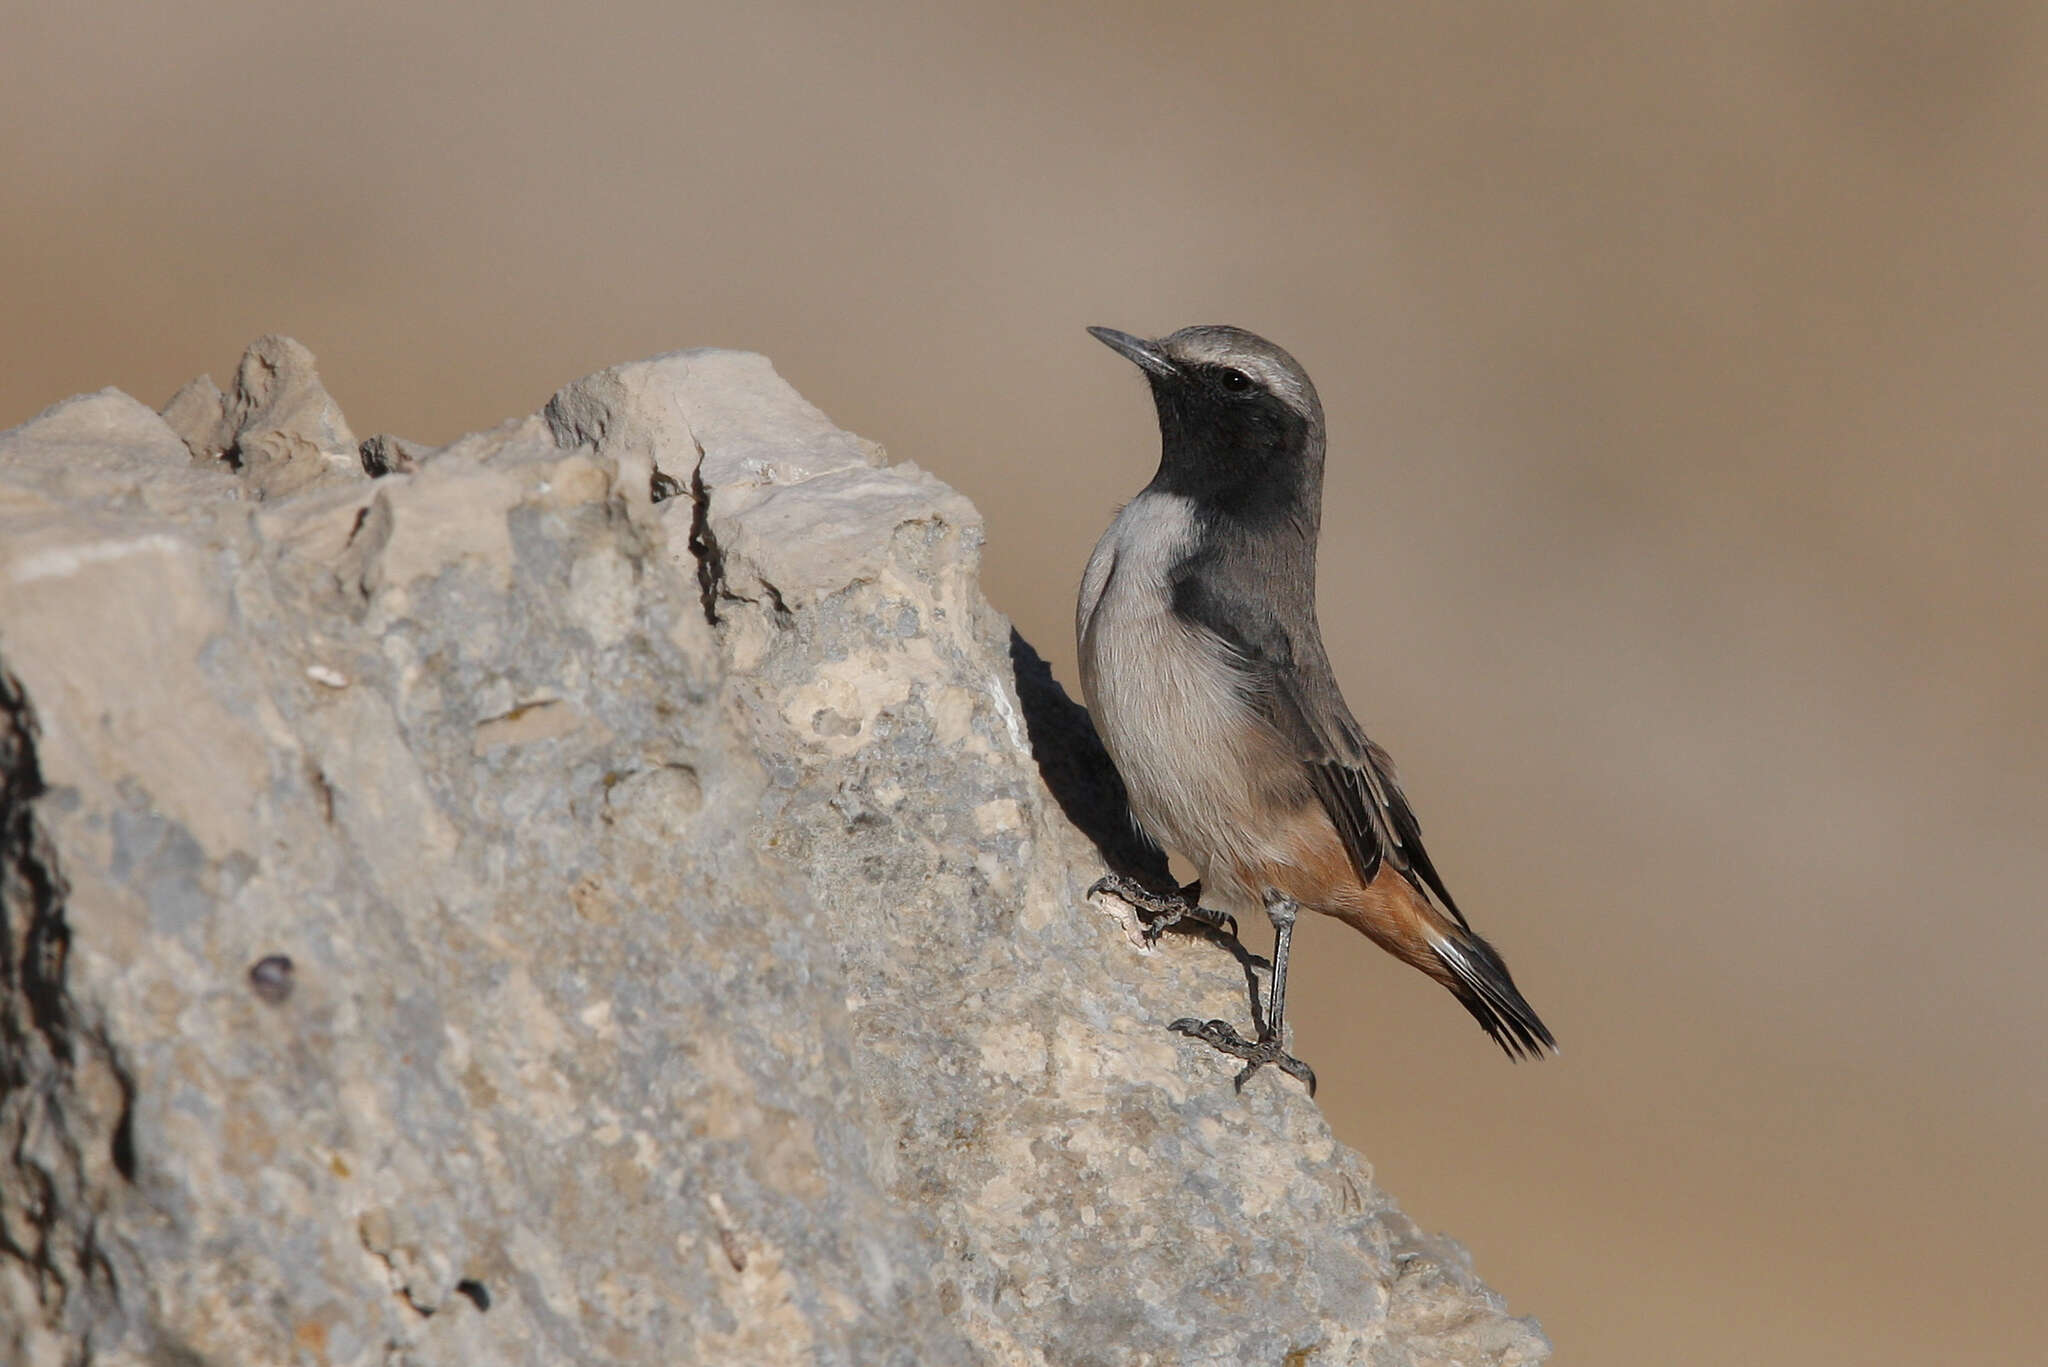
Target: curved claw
[1299, 1071]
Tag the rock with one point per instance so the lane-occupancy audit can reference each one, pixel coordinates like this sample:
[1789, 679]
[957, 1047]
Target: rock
[495, 912]
[198, 412]
[385, 454]
[288, 433]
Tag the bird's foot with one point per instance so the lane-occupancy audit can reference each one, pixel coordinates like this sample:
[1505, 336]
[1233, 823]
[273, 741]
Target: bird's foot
[1221, 1035]
[1158, 910]
[1155, 905]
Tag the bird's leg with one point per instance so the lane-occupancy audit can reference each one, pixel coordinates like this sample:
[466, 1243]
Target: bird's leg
[1268, 1048]
[1160, 910]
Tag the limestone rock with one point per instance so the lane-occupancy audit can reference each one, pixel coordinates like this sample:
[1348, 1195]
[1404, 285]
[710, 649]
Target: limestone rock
[198, 413]
[385, 454]
[281, 429]
[497, 913]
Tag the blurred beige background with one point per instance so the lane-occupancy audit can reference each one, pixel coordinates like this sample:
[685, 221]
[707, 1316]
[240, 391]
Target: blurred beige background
[1685, 514]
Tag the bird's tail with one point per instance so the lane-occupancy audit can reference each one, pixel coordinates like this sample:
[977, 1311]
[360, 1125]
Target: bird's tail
[1402, 919]
[1481, 982]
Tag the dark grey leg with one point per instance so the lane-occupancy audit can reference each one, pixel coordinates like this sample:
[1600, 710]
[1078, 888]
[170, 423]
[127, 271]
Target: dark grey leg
[1281, 912]
[1268, 1047]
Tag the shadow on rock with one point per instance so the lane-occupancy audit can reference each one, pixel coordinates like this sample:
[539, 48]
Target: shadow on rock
[1083, 779]
[1079, 772]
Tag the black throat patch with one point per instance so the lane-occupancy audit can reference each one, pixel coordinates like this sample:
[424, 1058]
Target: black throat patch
[1248, 457]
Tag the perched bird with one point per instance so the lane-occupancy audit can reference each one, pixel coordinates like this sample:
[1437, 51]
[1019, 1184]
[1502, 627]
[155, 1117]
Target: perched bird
[1205, 673]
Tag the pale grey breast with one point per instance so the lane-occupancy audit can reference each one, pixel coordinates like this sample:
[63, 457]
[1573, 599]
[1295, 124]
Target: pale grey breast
[1166, 702]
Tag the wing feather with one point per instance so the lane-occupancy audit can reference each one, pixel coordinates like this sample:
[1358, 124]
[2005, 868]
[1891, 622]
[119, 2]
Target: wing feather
[1291, 686]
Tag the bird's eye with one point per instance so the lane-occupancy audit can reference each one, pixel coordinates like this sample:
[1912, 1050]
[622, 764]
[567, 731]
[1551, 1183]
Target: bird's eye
[1236, 381]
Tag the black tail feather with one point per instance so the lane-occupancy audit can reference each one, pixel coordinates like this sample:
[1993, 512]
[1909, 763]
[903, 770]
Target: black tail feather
[1483, 985]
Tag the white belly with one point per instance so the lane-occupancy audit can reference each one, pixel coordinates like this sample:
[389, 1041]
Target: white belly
[1164, 700]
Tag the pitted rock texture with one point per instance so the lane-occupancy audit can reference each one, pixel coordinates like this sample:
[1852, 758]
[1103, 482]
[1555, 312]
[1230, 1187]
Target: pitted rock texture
[608, 889]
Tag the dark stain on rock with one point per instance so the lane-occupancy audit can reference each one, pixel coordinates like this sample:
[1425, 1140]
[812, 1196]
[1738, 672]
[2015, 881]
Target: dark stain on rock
[734, 1253]
[270, 977]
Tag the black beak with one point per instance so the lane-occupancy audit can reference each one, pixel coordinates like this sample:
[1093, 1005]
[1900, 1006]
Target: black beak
[1146, 355]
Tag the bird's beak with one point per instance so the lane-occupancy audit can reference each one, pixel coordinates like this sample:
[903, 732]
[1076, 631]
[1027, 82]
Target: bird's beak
[1146, 355]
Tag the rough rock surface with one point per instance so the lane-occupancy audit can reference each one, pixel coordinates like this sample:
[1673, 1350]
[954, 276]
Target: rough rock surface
[494, 912]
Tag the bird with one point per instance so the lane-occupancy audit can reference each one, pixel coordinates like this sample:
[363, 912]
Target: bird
[1204, 671]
